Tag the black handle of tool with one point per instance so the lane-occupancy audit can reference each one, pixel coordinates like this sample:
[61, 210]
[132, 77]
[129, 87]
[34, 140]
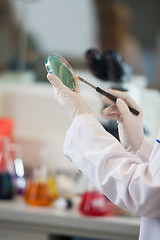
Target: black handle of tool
[114, 99]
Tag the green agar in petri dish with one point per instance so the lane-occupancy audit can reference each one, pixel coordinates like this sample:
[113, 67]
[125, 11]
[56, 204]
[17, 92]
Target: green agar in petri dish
[60, 67]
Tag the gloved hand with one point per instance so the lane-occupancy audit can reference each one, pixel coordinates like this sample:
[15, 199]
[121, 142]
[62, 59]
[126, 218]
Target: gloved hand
[71, 101]
[130, 126]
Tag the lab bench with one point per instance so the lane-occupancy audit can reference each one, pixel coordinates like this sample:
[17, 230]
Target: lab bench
[19, 221]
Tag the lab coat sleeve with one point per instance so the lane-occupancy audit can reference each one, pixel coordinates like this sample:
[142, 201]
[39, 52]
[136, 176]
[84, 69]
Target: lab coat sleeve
[145, 150]
[123, 177]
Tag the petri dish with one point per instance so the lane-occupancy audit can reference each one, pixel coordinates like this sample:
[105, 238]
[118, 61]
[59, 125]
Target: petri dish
[57, 65]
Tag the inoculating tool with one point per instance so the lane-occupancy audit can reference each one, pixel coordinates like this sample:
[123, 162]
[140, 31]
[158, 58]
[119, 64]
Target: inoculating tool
[106, 94]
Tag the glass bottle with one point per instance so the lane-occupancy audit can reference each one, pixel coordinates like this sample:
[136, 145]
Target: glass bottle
[41, 187]
[94, 203]
[19, 173]
[7, 190]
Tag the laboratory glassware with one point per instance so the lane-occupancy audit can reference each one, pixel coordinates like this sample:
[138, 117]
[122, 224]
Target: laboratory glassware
[38, 191]
[94, 203]
[41, 187]
[19, 175]
[61, 68]
[7, 190]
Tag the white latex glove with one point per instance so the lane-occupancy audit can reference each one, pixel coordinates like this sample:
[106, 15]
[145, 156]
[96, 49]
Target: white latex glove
[130, 126]
[71, 101]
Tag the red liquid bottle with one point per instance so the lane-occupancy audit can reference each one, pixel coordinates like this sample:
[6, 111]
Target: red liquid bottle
[94, 203]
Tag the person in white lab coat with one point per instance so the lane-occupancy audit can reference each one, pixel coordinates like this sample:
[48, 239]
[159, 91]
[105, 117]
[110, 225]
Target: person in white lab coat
[127, 172]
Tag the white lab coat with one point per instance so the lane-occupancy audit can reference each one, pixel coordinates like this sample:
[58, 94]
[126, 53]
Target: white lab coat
[130, 181]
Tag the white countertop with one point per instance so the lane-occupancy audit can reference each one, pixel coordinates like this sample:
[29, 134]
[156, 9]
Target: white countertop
[18, 215]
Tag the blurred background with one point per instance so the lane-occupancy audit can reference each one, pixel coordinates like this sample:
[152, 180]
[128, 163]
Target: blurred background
[32, 124]
[70, 28]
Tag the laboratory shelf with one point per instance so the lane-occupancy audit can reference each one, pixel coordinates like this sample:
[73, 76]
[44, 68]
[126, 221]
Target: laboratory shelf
[18, 219]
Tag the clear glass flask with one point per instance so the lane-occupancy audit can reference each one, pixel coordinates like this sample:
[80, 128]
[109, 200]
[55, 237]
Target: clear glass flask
[41, 187]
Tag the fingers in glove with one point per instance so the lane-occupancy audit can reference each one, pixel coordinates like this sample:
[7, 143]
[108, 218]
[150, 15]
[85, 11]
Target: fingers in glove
[58, 87]
[122, 107]
[107, 101]
[113, 116]
[111, 112]
[127, 98]
[77, 84]
[55, 81]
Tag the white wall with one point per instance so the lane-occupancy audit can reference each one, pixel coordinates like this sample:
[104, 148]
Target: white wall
[68, 27]
[39, 122]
